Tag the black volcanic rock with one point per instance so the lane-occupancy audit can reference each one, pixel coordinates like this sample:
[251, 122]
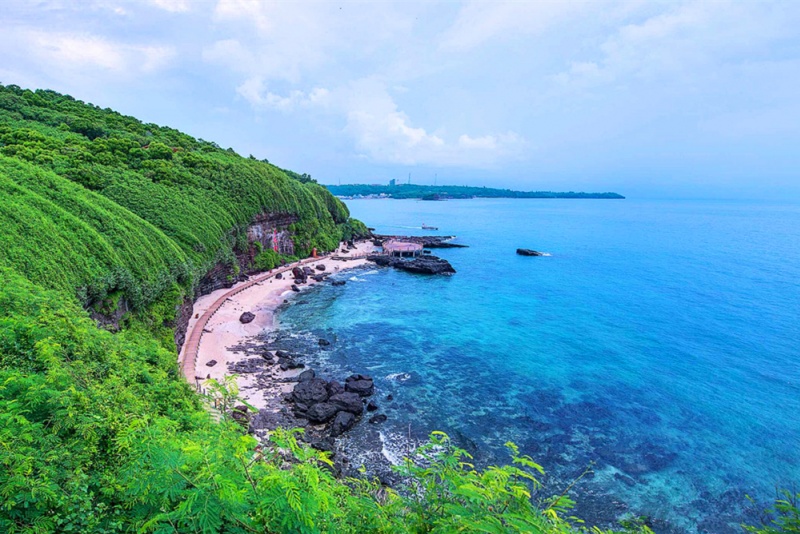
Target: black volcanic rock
[339, 282]
[306, 375]
[295, 288]
[320, 267]
[334, 388]
[323, 342]
[310, 391]
[348, 402]
[321, 412]
[380, 418]
[361, 384]
[419, 265]
[279, 276]
[250, 365]
[246, 317]
[240, 415]
[528, 252]
[299, 274]
[371, 407]
[344, 421]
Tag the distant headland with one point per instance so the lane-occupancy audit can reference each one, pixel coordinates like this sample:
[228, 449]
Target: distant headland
[446, 192]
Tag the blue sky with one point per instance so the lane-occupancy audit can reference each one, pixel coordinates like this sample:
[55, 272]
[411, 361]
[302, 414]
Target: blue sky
[676, 99]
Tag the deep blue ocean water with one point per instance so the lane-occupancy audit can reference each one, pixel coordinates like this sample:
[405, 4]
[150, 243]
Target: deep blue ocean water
[659, 340]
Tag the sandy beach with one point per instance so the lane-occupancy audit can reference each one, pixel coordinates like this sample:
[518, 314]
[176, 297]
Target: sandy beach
[223, 330]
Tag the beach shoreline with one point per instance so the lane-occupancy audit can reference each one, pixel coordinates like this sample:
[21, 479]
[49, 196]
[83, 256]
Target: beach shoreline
[222, 330]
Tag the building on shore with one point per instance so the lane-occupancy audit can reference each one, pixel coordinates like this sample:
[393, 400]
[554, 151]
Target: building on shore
[402, 249]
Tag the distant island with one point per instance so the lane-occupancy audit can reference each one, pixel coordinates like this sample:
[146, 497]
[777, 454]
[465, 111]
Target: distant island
[445, 192]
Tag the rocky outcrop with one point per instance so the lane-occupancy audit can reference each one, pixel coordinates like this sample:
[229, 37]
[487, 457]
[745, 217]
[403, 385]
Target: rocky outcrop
[322, 412]
[343, 422]
[360, 384]
[310, 392]
[329, 403]
[528, 252]
[182, 316]
[267, 227]
[348, 402]
[420, 265]
[299, 274]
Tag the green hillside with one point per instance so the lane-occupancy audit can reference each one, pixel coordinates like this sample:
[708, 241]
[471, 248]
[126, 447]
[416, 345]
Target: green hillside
[98, 431]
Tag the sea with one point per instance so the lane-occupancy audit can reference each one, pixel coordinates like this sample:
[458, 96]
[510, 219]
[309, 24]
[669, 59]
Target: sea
[656, 344]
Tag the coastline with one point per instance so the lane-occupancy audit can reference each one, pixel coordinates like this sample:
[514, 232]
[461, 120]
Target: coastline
[222, 332]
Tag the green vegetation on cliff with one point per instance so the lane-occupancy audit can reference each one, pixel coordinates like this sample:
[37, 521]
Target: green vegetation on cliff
[98, 431]
[443, 192]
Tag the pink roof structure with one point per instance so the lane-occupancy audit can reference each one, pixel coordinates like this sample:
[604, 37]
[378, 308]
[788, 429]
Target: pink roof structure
[401, 247]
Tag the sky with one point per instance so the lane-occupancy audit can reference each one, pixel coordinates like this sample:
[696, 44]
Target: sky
[679, 99]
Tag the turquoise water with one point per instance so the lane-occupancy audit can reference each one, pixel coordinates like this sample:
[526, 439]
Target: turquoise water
[659, 341]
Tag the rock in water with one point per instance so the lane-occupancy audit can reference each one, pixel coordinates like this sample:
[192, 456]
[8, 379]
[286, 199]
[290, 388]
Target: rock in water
[371, 407]
[344, 421]
[363, 385]
[380, 418]
[323, 342]
[339, 282]
[420, 265]
[528, 252]
[247, 317]
[295, 288]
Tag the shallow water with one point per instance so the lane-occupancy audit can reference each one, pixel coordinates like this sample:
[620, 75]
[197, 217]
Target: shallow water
[658, 341]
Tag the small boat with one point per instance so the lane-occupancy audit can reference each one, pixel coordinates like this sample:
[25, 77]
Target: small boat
[426, 227]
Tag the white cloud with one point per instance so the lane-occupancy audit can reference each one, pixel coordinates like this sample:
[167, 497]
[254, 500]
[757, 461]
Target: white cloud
[685, 41]
[173, 6]
[254, 91]
[386, 134]
[479, 22]
[66, 51]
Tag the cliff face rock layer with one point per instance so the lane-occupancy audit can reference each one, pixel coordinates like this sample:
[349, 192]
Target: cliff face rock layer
[272, 228]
